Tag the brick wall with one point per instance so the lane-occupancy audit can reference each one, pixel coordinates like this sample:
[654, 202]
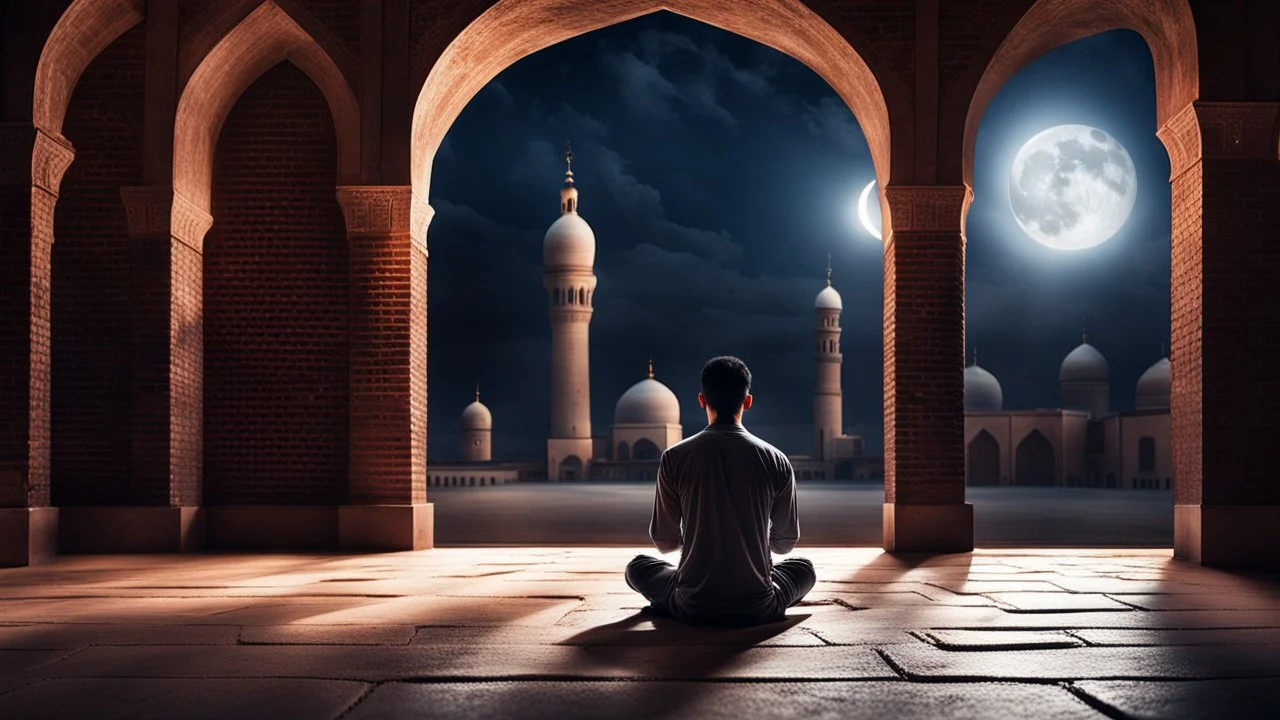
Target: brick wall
[276, 303]
[91, 340]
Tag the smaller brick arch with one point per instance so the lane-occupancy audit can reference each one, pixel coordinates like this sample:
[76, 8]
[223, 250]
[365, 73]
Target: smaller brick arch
[265, 38]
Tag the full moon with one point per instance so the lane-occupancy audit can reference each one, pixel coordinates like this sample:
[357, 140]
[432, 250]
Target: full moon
[1072, 187]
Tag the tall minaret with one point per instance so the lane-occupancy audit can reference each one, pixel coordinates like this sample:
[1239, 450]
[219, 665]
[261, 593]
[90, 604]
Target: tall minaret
[568, 254]
[827, 398]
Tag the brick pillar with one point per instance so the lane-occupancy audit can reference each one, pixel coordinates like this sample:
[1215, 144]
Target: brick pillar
[387, 498]
[1225, 331]
[32, 163]
[166, 236]
[924, 508]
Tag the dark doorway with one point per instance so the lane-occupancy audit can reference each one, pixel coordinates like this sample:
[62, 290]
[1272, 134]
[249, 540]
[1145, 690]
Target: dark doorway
[983, 467]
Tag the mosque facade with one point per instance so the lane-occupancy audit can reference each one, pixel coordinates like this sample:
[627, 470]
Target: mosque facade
[1082, 443]
[646, 418]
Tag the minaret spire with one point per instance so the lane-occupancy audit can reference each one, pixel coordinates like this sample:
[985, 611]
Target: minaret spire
[568, 193]
[828, 269]
[477, 391]
[650, 367]
[975, 357]
[568, 163]
[1084, 332]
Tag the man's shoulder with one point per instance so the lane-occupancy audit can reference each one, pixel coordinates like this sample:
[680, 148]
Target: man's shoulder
[768, 447]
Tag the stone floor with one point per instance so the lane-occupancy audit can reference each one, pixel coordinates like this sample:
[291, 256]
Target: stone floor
[554, 633]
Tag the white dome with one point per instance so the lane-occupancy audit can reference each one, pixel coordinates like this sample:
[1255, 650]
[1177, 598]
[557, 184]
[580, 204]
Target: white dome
[1084, 364]
[1153, 387]
[981, 390]
[569, 242]
[477, 417]
[828, 299]
[648, 402]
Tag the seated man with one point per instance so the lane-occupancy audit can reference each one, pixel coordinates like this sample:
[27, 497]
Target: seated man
[735, 496]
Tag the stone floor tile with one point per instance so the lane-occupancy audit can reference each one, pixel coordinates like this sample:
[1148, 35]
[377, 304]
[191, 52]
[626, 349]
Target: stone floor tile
[309, 634]
[1119, 586]
[429, 610]
[1188, 662]
[1205, 601]
[979, 587]
[1000, 639]
[384, 663]
[58, 636]
[1037, 602]
[1208, 699]
[718, 701]
[191, 699]
[1240, 636]
[14, 660]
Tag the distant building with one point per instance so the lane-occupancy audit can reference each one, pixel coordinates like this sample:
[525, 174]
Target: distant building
[1080, 444]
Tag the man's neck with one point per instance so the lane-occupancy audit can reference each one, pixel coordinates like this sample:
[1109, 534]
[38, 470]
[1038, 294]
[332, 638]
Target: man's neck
[724, 422]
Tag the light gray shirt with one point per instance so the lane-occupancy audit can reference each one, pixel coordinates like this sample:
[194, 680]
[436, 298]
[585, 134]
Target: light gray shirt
[726, 498]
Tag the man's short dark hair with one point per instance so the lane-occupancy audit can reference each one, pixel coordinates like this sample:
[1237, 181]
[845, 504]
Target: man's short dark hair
[726, 381]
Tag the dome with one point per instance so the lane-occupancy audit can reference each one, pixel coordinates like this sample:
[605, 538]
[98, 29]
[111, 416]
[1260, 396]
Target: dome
[981, 390]
[1084, 364]
[828, 299]
[569, 242]
[477, 417]
[648, 402]
[1153, 387]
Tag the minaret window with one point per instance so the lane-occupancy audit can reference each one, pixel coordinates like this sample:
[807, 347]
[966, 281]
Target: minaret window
[582, 296]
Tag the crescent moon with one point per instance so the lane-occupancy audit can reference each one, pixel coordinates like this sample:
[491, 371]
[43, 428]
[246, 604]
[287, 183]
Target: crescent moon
[862, 211]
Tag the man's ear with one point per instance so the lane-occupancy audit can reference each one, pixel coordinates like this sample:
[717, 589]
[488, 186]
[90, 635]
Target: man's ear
[746, 402]
[702, 401]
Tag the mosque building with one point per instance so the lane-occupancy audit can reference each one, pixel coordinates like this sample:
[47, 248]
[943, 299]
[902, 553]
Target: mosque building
[646, 419]
[1083, 443]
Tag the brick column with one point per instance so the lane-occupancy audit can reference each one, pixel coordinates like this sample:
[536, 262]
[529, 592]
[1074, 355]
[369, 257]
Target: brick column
[1225, 331]
[32, 163]
[166, 271]
[924, 508]
[388, 507]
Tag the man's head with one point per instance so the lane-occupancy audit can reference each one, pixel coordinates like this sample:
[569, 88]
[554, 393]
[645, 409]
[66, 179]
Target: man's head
[726, 388]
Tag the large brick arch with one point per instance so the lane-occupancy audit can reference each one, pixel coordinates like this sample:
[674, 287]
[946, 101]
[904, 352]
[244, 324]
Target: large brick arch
[512, 29]
[266, 37]
[83, 31]
[1027, 29]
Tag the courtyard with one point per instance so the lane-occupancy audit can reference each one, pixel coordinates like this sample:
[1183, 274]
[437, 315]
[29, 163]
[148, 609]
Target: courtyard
[554, 632]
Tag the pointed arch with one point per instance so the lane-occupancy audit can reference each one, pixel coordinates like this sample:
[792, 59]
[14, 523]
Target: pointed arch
[81, 34]
[513, 29]
[266, 37]
[1035, 461]
[1027, 29]
[983, 461]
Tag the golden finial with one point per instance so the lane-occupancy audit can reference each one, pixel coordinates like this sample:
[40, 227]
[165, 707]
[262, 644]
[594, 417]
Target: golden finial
[1084, 332]
[477, 391]
[828, 269]
[650, 367]
[568, 163]
[975, 357]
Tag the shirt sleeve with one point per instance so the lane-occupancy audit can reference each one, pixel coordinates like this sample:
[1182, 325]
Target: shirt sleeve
[784, 526]
[664, 528]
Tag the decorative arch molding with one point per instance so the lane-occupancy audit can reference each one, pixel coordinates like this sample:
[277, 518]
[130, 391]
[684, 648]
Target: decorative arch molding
[266, 37]
[1027, 29]
[513, 29]
[80, 35]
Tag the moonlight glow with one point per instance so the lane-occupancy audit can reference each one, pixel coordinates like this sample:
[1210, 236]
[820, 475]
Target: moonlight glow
[1072, 187]
[864, 215]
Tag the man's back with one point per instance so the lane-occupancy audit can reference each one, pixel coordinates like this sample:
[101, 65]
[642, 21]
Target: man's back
[728, 487]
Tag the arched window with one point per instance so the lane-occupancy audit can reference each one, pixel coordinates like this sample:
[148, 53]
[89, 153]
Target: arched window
[582, 296]
[1146, 454]
[555, 296]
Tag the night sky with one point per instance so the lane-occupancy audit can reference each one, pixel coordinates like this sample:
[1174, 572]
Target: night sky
[718, 174]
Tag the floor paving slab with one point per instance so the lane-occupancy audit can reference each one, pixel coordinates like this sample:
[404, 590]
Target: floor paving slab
[190, 699]
[720, 701]
[1192, 662]
[1000, 639]
[68, 636]
[308, 634]
[1194, 700]
[15, 661]
[1251, 636]
[1204, 601]
[1057, 602]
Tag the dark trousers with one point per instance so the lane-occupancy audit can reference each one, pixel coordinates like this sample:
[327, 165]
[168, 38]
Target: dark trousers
[653, 578]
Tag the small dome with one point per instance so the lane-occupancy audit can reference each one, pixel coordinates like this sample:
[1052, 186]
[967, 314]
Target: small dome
[648, 402]
[569, 242]
[1153, 387]
[477, 417]
[1084, 364]
[828, 299]
[981, 390]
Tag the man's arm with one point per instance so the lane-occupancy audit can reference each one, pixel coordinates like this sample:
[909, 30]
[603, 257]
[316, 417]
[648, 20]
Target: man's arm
[664, 528]
[784, 526]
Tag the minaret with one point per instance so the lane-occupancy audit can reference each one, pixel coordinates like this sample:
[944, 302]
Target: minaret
[827, 397]
[568, 253]
[477, 431]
